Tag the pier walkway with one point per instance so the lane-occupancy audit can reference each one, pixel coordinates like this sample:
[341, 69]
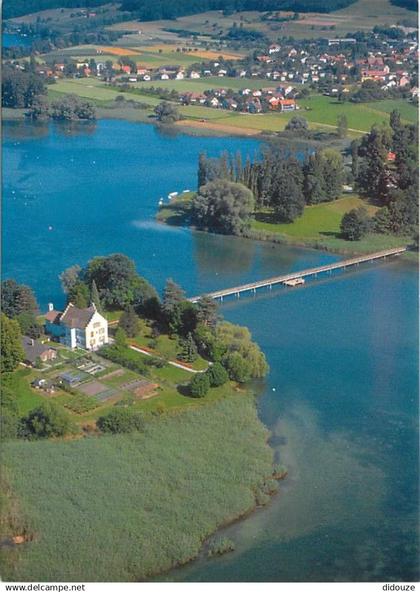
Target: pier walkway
[300, 275]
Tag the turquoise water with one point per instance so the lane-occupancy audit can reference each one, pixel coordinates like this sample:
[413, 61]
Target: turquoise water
[15, 40]
[341, 398]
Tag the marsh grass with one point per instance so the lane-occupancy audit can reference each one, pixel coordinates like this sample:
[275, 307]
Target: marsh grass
[121, 508]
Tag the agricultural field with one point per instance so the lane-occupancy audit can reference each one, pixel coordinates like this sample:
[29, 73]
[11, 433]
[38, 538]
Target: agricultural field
[363, 15]
[93, 89]
[320, 111]
[202, 84]
[146, 507]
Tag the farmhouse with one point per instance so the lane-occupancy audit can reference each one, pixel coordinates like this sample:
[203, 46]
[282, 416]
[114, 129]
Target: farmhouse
[77, 327]
[36, 351]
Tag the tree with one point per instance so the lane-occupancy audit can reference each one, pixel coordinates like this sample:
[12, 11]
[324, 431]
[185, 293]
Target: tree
[17, 298]
[167, 112]
[20, 88]
[70, 277]
[355, 224]
[324, 176]
[207, 311]
[238, 340]
[199, 385]
[72, 108]
[217, 374]
[94, 296]
[286, 190]
[129, 322]
[11, 346]
[223, 206]
[117, 280]
[297, 124]
[39, 109]
[173, 294]
[28, 325]
[189, 349]
[237, 367]
[47, 421]
[201, 173]
[79, 295]
[373, 152]
[342, 126]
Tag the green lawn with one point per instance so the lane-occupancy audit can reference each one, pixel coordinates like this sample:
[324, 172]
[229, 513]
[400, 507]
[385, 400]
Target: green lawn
[319, 227]
[19, 381]
[132, 505]
[316, 221]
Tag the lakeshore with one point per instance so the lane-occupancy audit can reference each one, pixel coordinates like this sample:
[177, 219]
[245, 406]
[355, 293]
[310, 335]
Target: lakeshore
[318, 228]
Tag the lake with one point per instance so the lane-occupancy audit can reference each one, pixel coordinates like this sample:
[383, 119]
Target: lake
[16, 40]
[341, 399]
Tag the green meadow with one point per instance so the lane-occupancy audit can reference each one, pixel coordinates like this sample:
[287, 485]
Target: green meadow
[125, 507]
[319, 227]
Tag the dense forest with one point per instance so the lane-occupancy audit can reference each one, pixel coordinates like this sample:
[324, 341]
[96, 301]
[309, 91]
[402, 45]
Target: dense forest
[13, 8]
[408, 4]
[168, 9]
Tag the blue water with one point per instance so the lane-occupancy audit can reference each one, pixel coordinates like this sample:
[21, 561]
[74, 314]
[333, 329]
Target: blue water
[15, 40]
[341, 399]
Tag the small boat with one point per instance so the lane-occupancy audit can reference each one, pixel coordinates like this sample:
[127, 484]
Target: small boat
[173, 194]
[294, 282]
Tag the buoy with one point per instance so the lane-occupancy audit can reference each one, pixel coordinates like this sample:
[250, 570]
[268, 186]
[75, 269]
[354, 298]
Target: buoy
[273, 389]
[50, 227]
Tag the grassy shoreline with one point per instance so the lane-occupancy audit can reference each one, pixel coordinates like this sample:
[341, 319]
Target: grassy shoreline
[306, 232]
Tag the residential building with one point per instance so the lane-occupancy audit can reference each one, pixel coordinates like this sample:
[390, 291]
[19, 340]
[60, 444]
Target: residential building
[77, 327]
[36, 351]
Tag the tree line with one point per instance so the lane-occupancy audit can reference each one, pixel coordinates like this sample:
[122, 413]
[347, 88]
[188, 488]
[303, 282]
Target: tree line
[230, 190]
[385, 168]
[167, 9]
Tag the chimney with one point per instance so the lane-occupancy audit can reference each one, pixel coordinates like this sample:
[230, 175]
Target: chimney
[32, 342]
[50, 306]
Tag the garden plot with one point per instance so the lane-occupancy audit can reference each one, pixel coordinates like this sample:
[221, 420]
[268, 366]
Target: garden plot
[96, 389]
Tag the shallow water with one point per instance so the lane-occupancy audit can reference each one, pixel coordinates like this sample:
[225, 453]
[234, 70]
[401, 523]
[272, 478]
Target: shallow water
[341, 398]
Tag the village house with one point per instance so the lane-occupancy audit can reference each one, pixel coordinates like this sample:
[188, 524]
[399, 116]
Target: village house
[287, 105]
[36, 351]
[77, 327]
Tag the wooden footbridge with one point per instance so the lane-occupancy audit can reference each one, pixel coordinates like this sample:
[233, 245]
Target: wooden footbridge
[298, 277]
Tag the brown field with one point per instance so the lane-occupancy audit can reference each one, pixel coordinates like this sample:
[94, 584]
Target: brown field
[119, 51]
[219, 127]
[201, 53]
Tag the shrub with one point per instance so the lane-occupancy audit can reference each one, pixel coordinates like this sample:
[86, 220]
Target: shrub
[125, 357]
[199, 385]
[220, 546]
[121, 420]
[217, 374]
[47, 420]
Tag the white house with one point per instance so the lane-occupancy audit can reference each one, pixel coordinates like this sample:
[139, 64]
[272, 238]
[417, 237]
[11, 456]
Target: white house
[194, 74]
[77, 327]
